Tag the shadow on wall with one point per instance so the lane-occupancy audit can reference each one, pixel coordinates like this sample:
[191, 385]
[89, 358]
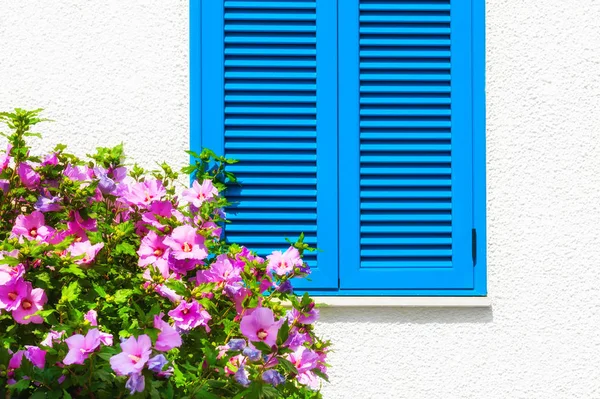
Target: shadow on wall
[406, 315]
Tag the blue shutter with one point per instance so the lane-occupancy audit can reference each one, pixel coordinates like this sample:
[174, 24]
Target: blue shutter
[405, 145]
[269, 99]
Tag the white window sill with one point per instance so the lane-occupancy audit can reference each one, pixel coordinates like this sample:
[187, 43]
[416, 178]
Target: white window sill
[415, 302]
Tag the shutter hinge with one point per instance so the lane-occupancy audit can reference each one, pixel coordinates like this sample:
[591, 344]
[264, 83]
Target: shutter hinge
[474, 246]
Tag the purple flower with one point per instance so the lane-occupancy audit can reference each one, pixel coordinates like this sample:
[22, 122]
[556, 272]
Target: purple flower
[132, 360]
[253, 355]
[4, 185]
[236, 344]
[186, 243]
[157, 363]
[241, 376]
[260, 325]
[48, 204]
[189, 315]
[273, 377]
[92, 317]
[135, 383]
[28, 176]
[283, 263]
[80, 347]
[30, 304]
[168, 337]
[285, 287]
[36, 356]
[199, 193]
[106, 185]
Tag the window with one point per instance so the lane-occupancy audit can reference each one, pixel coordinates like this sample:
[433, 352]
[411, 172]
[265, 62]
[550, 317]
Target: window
[358, 122]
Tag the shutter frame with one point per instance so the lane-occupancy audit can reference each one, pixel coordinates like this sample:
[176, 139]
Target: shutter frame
[234, 61]
[357, 274]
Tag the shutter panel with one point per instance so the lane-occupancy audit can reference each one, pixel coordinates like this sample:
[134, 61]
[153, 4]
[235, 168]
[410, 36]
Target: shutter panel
[269, 100]
[406, 144]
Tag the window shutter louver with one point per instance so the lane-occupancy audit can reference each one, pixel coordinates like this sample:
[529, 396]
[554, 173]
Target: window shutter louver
[405, 132]
[269, 100]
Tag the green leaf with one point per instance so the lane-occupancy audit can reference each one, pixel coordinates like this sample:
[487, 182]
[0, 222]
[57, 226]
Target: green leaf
[122, 296]
[73, 269]
[100, 291]
[283, 333]
[20, 385]
[262, 346]
[70, 292]
[9, 261]
[178, 286]
[66, 395]
[125, 248]
[287, 365]
[319, 373]
[38, 395]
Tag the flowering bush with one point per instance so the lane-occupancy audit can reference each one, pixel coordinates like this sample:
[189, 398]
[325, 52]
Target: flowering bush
[112, 285]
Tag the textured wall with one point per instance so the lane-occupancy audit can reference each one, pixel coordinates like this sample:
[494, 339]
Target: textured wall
[111, 71]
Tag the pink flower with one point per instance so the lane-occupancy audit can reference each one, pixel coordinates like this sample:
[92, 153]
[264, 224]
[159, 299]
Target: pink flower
[78, 173]
[30, 304]
[31, 227]
[168, 337]
[260, 325]
[189, 315]
[8, 273]
[305, 360]
[28, 176]
[5, 158]
[307, 317]
[168, 293]
[221, 271]
[163, 209]
[50, 159]
[51, 338]
[85, 248]
[152, 250]
[36, 356]
[132, 360]
[144, 193]
[283, 263]
[92, 317]
[12, 293]
[80, 347]
[16, 360]
[79, 227]
[106, 339]
[198, 194]
[181, 266]
[186, 243]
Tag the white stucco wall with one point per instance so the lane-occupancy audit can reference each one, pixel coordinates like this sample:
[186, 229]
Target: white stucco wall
[111, 71]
